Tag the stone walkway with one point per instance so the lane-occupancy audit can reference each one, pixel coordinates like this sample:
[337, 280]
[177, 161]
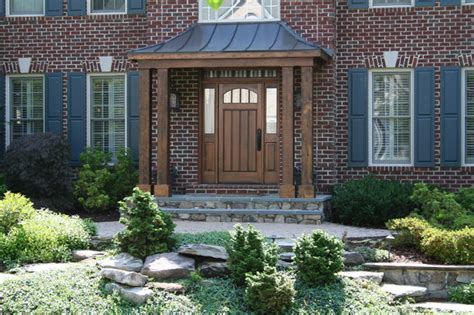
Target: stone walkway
[109, 229]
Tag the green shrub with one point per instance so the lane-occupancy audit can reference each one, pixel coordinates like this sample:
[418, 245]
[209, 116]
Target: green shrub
[46, 237]
[249, 253]
[452, 247]
[372, 254]
[102, 184]
[38, 166]
[14, 208]
[465, 197]
[318, 257]
[3, 186]
[438, 207]
[410, 230]
[371, 201]
[147, 230]
[90, 226]
[269, 291]
[463, 293]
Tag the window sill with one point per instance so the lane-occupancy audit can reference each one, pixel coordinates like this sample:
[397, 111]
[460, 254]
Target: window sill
[107, 13]
[24, 15]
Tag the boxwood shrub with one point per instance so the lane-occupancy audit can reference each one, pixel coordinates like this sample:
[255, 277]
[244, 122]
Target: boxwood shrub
[371, 202]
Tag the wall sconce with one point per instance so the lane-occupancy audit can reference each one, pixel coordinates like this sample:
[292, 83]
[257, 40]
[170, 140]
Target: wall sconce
[174, 98]
[297, 98]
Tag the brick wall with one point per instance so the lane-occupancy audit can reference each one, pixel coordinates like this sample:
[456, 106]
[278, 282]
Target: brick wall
[424, 37]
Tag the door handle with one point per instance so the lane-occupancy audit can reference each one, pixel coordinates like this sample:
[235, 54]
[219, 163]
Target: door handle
[259, 139]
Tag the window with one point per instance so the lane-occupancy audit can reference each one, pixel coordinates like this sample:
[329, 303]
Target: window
[25, 106]
[107, 112]
[107, 6]
[468, 1]
[240, 10]
[209, 110]
[25, 7]
[391, 122]
[391, 3]
[469, 116]
[271, 110]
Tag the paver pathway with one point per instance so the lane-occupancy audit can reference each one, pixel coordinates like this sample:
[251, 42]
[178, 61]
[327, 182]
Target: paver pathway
[284, 230]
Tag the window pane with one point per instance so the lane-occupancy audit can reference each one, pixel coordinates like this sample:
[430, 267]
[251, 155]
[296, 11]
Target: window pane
[241, 10]
[470, 116]
[26, 106]
[108, 113]
[26, 6]
[391, 2]
[391, 132]
[209, 110]
[108, 5]
[271, 110]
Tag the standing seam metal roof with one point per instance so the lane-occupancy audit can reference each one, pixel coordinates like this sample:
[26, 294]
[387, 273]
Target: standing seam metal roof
[234, 37]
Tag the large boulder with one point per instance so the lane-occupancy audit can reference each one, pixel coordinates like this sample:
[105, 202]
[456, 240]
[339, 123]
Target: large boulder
[130, 278]
[214, 269]
[81, 254]
[204, 251]
[133, 295]
[168, 266]
[353, 258]
[123, 261]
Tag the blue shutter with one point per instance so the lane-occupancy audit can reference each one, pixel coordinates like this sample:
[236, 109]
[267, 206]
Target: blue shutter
[424, 3]
[358, 117]
[136, 6]
[450, 2]
[2, 8]
[54, 7]
[77, 7]
[77, 114]
[133, 113]
[424, 117]
[2, 115]
[358, 4]
[54, 102]
[451, 116]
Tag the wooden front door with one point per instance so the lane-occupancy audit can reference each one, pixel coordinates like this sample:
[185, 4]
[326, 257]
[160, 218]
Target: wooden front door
[240, 149]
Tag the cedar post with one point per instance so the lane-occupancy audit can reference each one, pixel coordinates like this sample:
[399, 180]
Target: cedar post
[163, 186]
[144, 160]
[306, 189]
[287, 188]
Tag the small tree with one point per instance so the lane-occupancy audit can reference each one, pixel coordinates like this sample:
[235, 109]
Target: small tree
[270, 291]
[249, 253]
[147, 230]
[318, 258]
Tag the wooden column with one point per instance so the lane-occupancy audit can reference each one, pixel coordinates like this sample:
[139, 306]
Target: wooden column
[163, 185]
[287, 188]
[144, 160]
[306, 190]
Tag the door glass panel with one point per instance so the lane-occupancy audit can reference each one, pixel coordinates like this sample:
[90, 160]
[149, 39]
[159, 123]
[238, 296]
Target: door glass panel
[236, 96]
[245, 96]
[253, 97]
[271, 110]
[209, 106]
[228, 97]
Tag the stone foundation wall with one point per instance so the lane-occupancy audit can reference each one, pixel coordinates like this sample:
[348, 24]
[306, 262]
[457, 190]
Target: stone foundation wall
[253, 218]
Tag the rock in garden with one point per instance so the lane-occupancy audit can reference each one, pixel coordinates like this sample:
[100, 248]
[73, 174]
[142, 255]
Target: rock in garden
[78, 255]
[353, 258]
[375, 277]
[283, 264]
[214, 269]
[122, 261]
[286, 245]
[168, 266]
[205, 251]
[167, 287]
[6, 276]
[288, 257]
[129, 278]
[133, 295]
[402, 291]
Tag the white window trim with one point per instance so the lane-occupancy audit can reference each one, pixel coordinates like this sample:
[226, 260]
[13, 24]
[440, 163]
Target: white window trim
[200, 19]
[89, 10]
[8, 13]
[8, 106]
[88, 103]
[372, 6]
[412, 117]
[464, 2]
[463, 115]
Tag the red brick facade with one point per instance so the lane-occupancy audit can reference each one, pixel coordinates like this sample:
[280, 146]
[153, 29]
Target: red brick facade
[432, 36]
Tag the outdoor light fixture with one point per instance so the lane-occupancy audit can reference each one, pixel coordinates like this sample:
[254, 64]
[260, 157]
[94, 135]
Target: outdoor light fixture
[174, 98]
[389, 239]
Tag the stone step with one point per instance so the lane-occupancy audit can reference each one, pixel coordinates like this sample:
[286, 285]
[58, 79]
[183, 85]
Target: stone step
[247, 215]
[445, 307]
[363, 275]
[404, 291]
[285, 245]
